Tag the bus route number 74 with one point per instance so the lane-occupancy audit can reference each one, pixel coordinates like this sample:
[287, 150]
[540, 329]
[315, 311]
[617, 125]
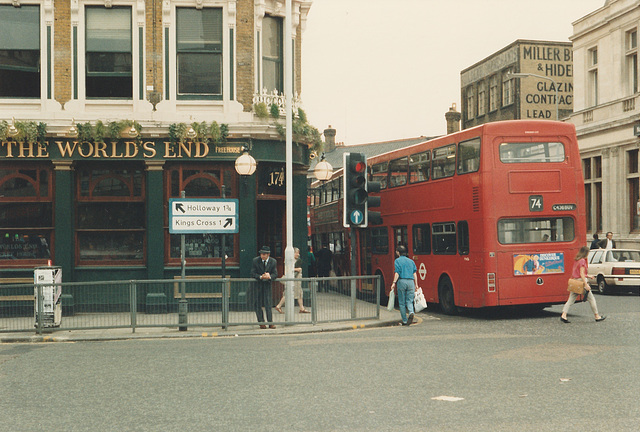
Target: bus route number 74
[535, 203]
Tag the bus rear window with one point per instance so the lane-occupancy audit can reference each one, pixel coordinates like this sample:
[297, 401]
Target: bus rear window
[531, 152]
[536, 230]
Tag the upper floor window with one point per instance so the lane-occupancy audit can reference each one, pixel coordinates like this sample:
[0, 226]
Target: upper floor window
[19, 51]
[592, 74]
[507, 89]
[631, 61]
[493, 94]
[482, 99]
[272, 54]
[471, 103]
[199, 52]
[108, 52]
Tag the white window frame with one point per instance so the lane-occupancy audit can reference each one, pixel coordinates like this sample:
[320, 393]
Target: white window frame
[631, 77]
[46, 18]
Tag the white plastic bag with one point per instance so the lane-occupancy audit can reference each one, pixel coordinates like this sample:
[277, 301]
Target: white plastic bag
[419, 302]
[392, 300]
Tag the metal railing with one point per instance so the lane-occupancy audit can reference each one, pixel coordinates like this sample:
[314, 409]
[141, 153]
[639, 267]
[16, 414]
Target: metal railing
[211, 302]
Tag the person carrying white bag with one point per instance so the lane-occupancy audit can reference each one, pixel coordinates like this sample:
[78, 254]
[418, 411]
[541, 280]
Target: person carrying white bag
[405, 283]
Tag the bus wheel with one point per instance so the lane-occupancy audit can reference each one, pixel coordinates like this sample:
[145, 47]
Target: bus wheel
[384, 298]
[445, 295]
[603, 286]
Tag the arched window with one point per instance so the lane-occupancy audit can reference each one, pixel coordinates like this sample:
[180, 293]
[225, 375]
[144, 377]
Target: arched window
[201, 181]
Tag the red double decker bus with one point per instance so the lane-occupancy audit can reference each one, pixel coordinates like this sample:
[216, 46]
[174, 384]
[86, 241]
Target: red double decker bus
[492, 215]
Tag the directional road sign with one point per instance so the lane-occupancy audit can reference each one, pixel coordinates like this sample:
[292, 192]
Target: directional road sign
[199, 216]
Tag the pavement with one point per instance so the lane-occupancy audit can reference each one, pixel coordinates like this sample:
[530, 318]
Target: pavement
[387, 318]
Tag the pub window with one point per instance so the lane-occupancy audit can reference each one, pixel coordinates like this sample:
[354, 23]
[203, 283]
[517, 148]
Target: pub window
[419, 167]
[110, 214]
[201, 181]
[380, 173]
[379, 240]
[463, 238]
[108, 52]
[398, 172]
[469, 156]
[272, 54]
[19, 51]
[26, 214]
[199, 53]
[443, 236]
[444, 162]
[421, 239]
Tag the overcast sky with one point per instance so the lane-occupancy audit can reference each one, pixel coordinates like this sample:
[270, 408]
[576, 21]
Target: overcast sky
[380, 70]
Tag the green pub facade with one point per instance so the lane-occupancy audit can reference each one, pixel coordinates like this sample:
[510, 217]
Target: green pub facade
[116, 107]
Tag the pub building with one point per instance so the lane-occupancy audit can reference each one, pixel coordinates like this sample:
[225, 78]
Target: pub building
[110, 109]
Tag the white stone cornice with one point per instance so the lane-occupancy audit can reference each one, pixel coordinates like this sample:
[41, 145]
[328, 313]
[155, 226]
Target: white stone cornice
[232, 12]
[75, 10]
[166, 13]
[140, 13]
[295, 17]
[259, 9]
[48, 12]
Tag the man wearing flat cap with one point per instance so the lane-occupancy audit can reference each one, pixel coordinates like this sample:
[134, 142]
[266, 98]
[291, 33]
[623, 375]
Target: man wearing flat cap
[264, 270]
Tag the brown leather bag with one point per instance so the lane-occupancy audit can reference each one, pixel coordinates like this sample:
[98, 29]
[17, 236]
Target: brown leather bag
[576, 286]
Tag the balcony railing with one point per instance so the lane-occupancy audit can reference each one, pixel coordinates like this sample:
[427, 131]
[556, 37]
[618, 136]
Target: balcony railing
[274, 97]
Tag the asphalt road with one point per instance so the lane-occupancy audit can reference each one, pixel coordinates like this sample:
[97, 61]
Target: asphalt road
[488, 371]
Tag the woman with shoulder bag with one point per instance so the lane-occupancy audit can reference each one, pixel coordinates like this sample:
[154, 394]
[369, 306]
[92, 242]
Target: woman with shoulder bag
[579, 272]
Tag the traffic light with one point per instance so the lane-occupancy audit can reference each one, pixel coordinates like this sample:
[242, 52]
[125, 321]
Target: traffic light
[355, 190]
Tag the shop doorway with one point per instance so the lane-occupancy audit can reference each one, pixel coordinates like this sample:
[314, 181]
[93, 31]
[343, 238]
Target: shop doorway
[271, 222]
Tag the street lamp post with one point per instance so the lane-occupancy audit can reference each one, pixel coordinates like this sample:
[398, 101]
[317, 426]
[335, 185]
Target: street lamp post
[555, 85]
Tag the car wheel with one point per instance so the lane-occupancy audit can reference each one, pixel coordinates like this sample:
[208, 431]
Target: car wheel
[603, 286]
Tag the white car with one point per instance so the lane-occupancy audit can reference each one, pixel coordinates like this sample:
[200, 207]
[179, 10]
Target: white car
[614, 269]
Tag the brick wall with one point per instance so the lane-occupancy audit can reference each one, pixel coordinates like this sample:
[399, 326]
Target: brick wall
[62, 51]
[153, 45]
[245, 40]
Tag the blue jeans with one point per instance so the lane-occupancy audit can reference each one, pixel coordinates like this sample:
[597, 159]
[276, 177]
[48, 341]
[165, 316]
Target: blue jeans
[406, 293]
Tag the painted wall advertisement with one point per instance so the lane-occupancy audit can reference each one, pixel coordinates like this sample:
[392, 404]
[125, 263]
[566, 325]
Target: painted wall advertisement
[541, 97]
[535, 264]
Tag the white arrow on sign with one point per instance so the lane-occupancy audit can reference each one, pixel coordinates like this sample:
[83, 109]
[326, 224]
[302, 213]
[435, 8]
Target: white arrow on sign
[422, 271]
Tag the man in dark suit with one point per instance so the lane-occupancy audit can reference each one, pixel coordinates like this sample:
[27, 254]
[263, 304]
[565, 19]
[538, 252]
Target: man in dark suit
[609, 242]
[264, 270]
